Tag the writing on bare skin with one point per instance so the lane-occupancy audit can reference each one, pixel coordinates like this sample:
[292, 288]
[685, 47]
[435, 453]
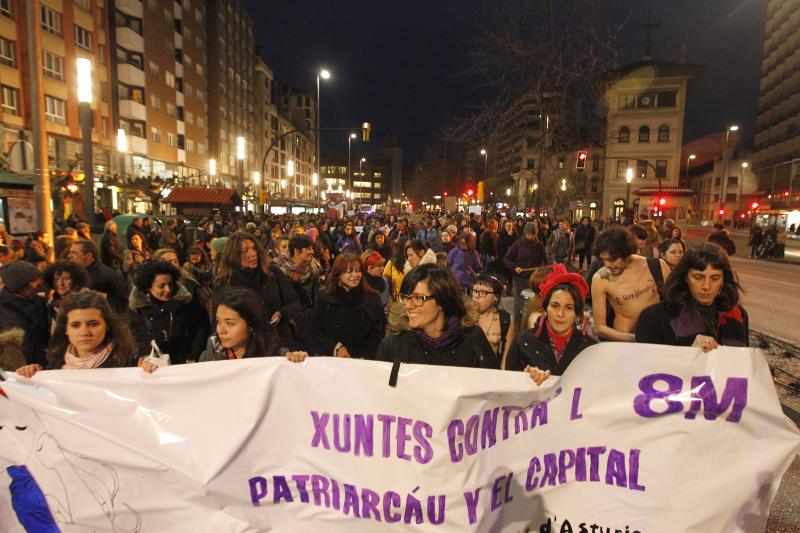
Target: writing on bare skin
[636, 294]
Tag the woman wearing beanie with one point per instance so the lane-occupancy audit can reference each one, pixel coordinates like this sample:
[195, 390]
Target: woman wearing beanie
[554, 343]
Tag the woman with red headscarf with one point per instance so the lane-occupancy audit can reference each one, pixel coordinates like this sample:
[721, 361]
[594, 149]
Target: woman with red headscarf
[556, 339]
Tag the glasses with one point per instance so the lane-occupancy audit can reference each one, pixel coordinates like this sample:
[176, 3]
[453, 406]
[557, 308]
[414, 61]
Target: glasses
[480, 293]
[416, 299]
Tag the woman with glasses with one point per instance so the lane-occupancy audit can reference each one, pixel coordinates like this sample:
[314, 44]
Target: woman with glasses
[432, 324]
[348, 319]
[496, 323]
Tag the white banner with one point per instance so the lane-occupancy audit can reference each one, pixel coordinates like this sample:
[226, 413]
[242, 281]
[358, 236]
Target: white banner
[633, 438]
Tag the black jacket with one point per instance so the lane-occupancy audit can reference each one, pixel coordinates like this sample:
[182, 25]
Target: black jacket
[276, 294]
[533, 348]
[109, 251]
[471, 350]
[31, 317]
[584, 238]
[173, 325]
[111, 283]
[355, 319]
[721, 239]
[664, 324]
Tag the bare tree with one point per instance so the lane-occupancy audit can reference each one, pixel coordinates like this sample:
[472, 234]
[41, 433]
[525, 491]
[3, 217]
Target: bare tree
[549, 57]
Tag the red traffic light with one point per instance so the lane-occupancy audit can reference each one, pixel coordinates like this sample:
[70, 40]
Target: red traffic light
[470, 191]
[742, 215]
[444, 193]
[581, 159]
[721, 212]
[662, 201]
[754, 205]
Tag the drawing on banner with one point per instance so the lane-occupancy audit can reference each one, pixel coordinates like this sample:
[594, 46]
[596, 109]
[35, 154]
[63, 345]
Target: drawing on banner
[71, 478]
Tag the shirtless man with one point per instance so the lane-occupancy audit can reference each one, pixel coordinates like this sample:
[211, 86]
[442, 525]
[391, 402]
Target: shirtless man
[625, 281]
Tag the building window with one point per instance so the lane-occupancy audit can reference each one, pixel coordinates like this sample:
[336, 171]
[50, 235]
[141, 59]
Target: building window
[624, 134]
[171, 109]
[5, 8]
[667, 98]
[10, 105]
[622, 168]
[201, 122]
[51, 20]
[644, 134]
[595, 163]
[201, 149]
[595, 183]
[83, 38]
[733, 181]
[154, 70]
[627, 101]
[7, 55]
[560, 162]
[52, 65]
[169, 79]
[189, 145]
[54, 110]
[155, 102]
[171, 140]
[661, 168]
[730, 197]
[190, 117]
[663, 133]
[85, 4]
[641, 168]
[156, 135]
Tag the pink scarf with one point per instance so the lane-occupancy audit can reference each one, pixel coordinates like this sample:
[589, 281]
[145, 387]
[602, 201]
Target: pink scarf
[73, 362]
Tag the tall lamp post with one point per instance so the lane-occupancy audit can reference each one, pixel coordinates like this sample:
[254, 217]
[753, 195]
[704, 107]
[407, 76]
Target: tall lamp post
[240, 157]
[485, 155]
[290, 174]
[724, 178]
[257, 187]
[324, 74]
[122, 149]
[85, 107]
[629, 179]
[689, 160]
[349, 153]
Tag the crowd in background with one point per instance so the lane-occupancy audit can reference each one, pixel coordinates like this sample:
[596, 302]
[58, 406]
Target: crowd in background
[420, 288]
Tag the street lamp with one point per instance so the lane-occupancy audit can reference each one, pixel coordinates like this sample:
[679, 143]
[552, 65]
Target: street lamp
[485, 155]
[723, 180]
[689, 159]
[212, 168]
[324, 74]
[629, 179]
[240, 157]
[349, 150]
[84, 67]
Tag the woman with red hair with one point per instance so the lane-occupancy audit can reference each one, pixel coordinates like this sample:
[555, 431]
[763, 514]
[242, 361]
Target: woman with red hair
[556, 339]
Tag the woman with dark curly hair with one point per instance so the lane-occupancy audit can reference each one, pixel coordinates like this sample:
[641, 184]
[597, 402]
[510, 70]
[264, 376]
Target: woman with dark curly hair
[63, 278]
[87, 335]
[701, 304]
[244, 263]
[160, 309]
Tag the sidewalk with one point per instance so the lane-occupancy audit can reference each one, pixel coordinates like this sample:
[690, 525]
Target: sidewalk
[741, 238]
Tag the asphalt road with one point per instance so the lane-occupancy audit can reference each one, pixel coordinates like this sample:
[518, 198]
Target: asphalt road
[772, 289]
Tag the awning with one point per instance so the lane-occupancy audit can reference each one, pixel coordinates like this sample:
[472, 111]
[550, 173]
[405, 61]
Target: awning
[200, 195]
[10, 178]
[666, 191]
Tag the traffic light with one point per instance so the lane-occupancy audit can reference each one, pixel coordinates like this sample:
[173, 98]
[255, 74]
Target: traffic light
[366, 127]
[580, 163]
[444, 193]
[662, 201]
[721, 212]
[754, 206]
[469, 192]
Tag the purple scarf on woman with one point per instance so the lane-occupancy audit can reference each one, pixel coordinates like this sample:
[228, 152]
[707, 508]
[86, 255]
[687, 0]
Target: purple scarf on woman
[451, 334]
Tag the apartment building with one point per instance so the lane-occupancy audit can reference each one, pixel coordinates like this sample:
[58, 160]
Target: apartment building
[68, 30]
[231, 91]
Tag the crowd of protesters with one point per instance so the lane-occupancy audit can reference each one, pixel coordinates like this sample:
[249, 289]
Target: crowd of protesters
[420, 288]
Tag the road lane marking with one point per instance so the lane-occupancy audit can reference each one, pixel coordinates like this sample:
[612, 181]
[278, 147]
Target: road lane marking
[741, 275]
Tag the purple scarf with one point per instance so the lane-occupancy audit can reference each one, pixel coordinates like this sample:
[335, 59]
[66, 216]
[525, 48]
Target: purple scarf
[451, 334]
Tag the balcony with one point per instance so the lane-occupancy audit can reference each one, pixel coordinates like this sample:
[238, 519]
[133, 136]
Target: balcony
[137, 145]
[133, 110]
[129, 39]
[131, 75]
[133, 8]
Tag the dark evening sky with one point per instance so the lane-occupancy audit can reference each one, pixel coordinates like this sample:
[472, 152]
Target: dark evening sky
[398, 63]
